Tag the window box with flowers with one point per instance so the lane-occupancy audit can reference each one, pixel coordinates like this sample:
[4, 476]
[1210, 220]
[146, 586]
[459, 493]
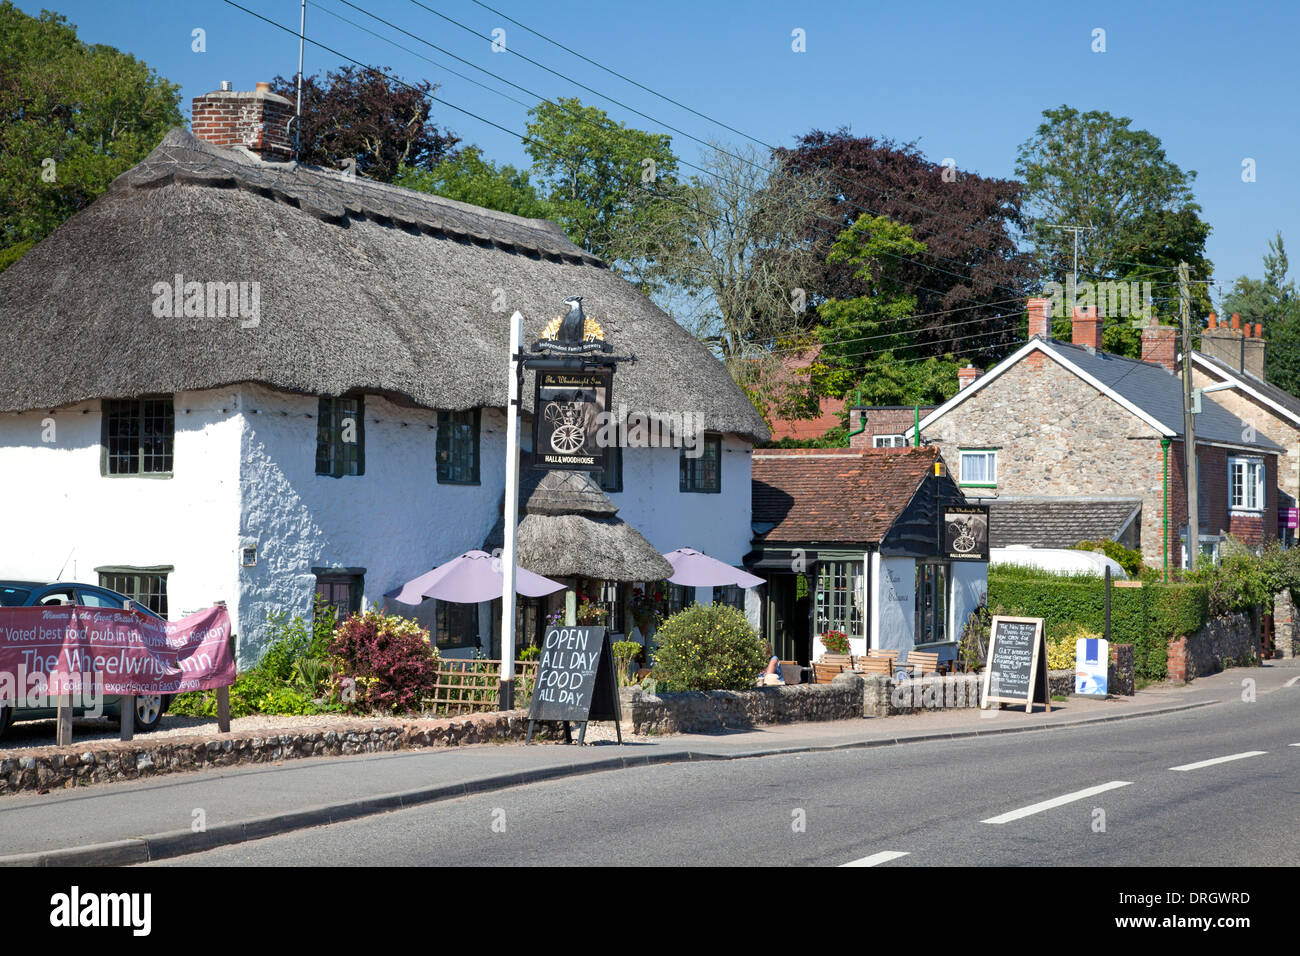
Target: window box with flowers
[835, 642]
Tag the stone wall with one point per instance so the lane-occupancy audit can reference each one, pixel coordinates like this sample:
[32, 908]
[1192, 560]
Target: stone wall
[697, 712]
[1227, 641]
[1286, 642]
[45, 768]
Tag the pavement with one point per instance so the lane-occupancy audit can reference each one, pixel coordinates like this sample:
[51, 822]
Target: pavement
[168, 816]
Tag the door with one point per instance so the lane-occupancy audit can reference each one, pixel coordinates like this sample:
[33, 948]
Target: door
[787, 623]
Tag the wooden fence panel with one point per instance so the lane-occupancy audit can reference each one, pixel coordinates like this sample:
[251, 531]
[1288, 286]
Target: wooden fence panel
[470, 686]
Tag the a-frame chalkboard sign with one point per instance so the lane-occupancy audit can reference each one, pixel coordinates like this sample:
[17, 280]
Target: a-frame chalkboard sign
[1016, 672]
[575, 681]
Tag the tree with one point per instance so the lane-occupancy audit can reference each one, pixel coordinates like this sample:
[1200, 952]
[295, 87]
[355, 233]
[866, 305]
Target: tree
[363, 114]
[1274, 301]
[73, 116]
[468, 177]
[608, 183]
[968, 223]
[1093, 170]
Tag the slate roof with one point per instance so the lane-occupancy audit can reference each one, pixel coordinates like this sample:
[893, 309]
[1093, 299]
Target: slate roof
[1159, 393]
[1268, 390]
[1057, 522]
[834, 495]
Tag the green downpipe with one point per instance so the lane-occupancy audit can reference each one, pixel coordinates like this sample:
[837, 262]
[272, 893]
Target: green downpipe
[916, 429]
[863, 426]
[1164, 445]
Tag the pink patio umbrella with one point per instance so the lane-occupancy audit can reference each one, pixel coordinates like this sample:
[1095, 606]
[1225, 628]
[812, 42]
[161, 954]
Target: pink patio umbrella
[473, 577]
[696, 569]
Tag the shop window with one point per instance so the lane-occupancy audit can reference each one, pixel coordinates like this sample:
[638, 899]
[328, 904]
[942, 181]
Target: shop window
[341, 436]
[840, 604]
[458, 447]
[138, 437]
[931, 603]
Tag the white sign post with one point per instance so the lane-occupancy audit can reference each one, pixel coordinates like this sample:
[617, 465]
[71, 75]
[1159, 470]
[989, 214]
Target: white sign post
[506, 691]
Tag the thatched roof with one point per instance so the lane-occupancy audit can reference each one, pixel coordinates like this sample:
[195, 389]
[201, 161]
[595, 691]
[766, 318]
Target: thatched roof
[569, 528]
[362, 287]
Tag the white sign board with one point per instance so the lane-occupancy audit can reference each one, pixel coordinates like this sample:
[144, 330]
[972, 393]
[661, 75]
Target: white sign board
[1091, 662]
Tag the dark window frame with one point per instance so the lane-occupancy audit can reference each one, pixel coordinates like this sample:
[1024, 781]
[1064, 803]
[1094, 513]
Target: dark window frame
[611, 479]
[336, 458]
[155, 599]
[692, 473]
[353, 578]
[446, 454]
[443, 621]
[141, 411]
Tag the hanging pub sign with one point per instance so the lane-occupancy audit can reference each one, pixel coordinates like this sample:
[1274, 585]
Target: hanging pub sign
[964, 532]
[568, 414]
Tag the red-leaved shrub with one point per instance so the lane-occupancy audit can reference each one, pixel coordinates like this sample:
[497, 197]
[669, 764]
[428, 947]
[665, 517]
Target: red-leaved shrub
[386, 661]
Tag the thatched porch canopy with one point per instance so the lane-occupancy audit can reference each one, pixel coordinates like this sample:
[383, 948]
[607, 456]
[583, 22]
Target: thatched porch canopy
[569, 528]
[362, 287]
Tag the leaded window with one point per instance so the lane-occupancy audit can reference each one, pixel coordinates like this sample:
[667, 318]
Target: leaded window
[341, 436]
[146, 586]
[138, 436]
[458, 451]
[703, 473]
[840, 598]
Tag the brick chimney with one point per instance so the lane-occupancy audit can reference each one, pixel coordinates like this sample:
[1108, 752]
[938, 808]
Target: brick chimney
[1086, 329]
[1040, 323]
[967, 376]
[1240, 347]
[257, 121]
[1160, 345]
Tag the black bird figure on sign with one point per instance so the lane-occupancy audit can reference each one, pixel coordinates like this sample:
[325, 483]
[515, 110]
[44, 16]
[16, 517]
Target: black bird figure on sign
[572, 325]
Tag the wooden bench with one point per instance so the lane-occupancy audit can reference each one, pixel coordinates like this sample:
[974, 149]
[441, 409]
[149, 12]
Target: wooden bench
[921, 664]
[824, 673]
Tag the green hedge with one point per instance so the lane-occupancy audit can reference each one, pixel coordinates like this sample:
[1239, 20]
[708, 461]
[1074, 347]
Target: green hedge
[1146, 617]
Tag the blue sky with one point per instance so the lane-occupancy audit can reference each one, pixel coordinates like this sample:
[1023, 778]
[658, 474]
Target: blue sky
[1217, 82]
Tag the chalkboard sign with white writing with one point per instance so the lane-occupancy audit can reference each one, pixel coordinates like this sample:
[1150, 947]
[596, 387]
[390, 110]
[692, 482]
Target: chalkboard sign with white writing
[1016, 672]
[575, 679]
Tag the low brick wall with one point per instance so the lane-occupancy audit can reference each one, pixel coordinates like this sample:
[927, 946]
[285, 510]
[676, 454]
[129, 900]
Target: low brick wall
[698, 712]
[47, 768]
[1232, 640]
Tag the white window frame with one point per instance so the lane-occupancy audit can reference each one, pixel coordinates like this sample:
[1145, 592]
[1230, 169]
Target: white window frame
[1239, 488]
[991, 455]
[888, 441]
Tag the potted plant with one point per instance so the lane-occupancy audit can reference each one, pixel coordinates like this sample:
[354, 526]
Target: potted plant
[835, 642]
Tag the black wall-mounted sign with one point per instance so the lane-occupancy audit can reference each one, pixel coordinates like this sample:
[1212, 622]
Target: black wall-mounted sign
[964, 532]
[569, 427]
[575, 679]
[1016, 671]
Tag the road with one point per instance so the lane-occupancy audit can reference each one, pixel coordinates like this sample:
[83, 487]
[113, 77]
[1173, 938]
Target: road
[1217, 785]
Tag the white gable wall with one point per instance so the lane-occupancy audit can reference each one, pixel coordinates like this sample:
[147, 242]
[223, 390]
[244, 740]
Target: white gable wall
[60, 508]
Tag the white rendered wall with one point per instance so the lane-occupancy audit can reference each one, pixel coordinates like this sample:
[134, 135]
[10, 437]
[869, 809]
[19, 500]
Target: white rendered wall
[396, 520]
[64, 515]
[653, 503]
[970, 586]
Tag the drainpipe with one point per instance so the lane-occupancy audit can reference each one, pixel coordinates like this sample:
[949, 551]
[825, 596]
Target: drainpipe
[1164, 446]
[863, 426]
[916, 429]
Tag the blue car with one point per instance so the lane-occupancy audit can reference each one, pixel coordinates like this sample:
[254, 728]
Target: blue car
[149, 708]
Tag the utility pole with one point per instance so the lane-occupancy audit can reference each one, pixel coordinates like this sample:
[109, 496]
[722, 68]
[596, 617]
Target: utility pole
[1189, 421]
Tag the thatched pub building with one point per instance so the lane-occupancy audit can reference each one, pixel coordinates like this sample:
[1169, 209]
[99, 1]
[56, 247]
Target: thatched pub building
[235, 377]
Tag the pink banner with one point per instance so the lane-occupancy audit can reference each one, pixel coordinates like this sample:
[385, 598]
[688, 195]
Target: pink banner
[71, 649]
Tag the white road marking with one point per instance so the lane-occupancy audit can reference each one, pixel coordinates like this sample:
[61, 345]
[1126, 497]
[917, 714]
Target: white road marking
[1291, 682]
[1211, 762]
[1056, 802]
[884, 856]
[1293, 745]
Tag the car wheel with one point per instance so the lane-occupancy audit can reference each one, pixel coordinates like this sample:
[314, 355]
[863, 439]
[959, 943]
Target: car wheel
[148, 712]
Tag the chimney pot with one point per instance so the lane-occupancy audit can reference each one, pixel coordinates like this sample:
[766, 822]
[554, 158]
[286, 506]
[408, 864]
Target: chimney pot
[1259, 330]
[1214, 321]
[1236, 321]
[226, 86]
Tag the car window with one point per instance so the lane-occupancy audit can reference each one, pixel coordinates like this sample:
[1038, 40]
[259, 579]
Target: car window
[97, 599]
[13, 597]
[63, 596]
